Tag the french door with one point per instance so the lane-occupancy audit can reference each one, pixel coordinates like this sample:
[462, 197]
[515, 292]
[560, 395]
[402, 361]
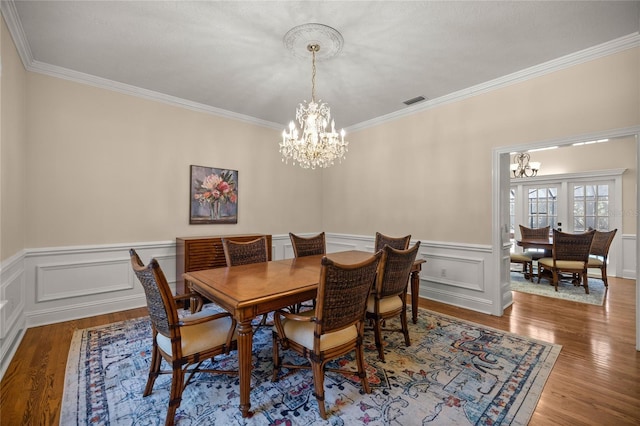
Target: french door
[569, 204]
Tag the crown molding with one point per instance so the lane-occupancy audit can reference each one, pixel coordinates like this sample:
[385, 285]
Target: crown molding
[609, 48]
[8, 9]
[127, 89]
[10, 14]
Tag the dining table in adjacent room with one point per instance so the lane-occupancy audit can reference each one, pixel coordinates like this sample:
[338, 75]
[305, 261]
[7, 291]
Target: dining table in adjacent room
[545, 244]
[247, 291]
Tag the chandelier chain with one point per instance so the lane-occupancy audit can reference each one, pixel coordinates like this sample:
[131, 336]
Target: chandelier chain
[314, 48]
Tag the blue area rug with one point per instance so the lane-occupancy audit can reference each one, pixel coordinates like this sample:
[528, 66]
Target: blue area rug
[566, 290]
[454, 373]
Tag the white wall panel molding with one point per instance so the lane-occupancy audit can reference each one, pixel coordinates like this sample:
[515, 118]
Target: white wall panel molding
[629, 256]
[12, 307]
[65, 280]
[92, 249]
[454, 271]
[12, 283]
[64, 283]
[84, 309]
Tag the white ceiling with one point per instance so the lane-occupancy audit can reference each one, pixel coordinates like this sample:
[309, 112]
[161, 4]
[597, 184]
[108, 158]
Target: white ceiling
[229, 57]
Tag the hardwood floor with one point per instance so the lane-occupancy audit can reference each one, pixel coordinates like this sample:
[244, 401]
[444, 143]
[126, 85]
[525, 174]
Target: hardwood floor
[595, 381]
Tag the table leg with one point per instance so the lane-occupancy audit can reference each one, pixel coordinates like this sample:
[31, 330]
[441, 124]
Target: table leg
[415, 287]
[245, 343]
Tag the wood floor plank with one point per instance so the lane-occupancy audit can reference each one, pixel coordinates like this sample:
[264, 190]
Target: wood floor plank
[595, 381]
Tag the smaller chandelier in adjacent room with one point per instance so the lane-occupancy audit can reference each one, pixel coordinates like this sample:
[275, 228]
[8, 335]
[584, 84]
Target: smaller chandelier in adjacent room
[315, 144]
[522, 167]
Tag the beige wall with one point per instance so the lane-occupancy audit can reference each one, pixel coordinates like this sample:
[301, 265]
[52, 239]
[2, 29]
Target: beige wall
[12, 148]
[429, 174]
[106, 167]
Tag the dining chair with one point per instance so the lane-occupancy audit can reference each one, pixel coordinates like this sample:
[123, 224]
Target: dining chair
[184, 343]
[400, 243]
[308, 246]
[388, 298]
[526, 261]
[571, 255]
[535, 234]
[334, 328]
[246, 252]
[599, 252]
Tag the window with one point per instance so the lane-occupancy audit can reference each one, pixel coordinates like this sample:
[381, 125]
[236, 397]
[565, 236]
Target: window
[591, 206]
[542, 208]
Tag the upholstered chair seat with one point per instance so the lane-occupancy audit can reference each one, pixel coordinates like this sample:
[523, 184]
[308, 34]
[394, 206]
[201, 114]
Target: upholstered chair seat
[527, 263]
[199, 337]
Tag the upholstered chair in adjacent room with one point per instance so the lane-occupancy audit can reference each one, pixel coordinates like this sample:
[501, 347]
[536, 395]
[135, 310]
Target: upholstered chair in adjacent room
[526, 261]
[571, 255]
[535, 234]
[599, 252]
[184, 343]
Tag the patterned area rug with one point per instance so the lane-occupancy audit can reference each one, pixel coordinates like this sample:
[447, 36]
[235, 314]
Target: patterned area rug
[454, 373]
[566, 290]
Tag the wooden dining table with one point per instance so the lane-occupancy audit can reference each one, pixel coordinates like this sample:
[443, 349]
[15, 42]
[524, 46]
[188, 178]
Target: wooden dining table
[540, 243]
[247, 291]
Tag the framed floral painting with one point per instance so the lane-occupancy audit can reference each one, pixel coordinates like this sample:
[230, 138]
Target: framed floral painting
[214, 195]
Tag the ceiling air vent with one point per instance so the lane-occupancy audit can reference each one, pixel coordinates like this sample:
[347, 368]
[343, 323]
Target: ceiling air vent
[414, 100]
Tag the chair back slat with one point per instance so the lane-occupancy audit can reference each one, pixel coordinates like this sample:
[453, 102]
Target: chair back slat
[394, 270]
[601, 242]
[399, 243]
[573, 247]
[534, 233]
[245, 252]
[342, 293]
[308, 246]
[160, 302]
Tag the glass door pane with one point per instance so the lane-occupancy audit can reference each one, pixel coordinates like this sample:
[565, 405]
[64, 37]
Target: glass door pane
[542, 208]
[591, 206]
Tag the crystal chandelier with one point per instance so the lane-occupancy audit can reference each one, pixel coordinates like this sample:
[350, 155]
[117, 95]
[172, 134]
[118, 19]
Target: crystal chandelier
[315, 145]
[521, 167]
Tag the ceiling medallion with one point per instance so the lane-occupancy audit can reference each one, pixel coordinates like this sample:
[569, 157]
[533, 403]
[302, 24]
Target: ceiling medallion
[298, 38]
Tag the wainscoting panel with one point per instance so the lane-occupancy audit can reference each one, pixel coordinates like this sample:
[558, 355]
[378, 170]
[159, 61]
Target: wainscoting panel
[454, 271]
[629, 257]
[12, 306]
[74, 282]
[56, 281]
[458, 275]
